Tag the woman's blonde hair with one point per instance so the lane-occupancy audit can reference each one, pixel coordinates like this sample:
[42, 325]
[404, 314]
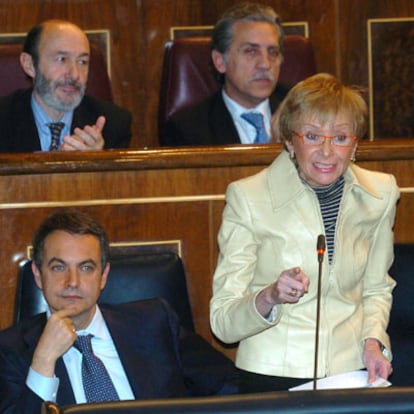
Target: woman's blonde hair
[322, 97]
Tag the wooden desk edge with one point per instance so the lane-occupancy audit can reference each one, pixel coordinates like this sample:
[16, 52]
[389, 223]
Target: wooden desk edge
[178, 158]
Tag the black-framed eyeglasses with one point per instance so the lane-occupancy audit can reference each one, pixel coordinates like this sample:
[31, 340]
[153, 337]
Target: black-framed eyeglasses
[337, 140]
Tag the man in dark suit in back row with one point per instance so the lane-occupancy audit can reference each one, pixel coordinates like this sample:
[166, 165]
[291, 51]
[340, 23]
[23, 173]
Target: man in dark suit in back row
[140, 347]
[56, 114]
[247, 46]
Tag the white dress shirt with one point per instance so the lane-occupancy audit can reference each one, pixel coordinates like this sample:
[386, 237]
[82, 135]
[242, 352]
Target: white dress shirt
[103, 347]
[247, 132]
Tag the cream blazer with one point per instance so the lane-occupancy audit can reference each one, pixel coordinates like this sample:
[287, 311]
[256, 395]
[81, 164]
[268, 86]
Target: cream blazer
[271, 222]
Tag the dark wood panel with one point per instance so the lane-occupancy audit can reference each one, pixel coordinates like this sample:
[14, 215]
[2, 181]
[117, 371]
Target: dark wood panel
[352, 31]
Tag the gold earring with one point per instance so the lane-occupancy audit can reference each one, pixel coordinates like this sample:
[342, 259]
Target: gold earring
[353, 158]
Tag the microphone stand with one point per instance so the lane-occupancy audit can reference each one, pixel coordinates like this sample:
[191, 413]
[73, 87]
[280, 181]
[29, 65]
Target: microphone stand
[320, 247]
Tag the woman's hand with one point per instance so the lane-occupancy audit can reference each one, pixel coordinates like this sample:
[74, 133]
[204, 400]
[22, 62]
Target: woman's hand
[291, 285]
[375, 361]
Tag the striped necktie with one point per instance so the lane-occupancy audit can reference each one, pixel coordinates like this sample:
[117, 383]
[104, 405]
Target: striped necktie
[55, 130]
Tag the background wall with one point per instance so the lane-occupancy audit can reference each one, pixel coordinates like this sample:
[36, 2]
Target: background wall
[140, 28]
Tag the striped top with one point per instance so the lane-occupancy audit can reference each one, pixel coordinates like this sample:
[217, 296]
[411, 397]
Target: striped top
[330, 197]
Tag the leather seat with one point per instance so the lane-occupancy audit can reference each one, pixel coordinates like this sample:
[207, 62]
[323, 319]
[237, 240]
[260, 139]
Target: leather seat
[131, 278]
[187, 73]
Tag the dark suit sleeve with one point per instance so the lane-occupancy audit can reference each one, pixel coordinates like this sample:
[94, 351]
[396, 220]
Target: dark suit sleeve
[17, 124]
[194, 125]
[15, 396]
[178, 131]
[117, 131]
[206, 371]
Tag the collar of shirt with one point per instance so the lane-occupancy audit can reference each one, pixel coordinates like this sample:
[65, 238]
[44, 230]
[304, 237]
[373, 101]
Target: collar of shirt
[42, 119]
[104, 348]
[97, 327]
[246, 131]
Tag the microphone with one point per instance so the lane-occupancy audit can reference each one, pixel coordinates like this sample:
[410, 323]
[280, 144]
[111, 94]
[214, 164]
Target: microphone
[320, 249]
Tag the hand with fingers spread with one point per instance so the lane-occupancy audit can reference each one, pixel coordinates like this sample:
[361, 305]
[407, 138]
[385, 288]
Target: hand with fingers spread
[57, 337]
[87, 138]
[291, 285]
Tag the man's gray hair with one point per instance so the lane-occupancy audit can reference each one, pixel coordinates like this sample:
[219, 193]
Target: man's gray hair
[222, 35]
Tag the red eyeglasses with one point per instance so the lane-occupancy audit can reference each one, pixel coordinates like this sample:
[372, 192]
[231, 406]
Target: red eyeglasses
[337, 140]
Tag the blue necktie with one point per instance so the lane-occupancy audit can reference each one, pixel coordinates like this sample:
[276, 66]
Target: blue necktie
[55, 130]
[257, 120]
[97, 383]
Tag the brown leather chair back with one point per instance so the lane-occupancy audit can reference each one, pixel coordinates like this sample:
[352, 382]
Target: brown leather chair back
[12, 76]
[187, 74]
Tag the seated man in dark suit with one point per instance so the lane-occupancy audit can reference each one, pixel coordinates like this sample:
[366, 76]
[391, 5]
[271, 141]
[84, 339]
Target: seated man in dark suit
[247, 45]
[56, 114]
[144, 351]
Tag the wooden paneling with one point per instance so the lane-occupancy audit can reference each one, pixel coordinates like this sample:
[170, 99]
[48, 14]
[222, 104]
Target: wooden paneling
[140, 28]
[352, 33]
[155, 196]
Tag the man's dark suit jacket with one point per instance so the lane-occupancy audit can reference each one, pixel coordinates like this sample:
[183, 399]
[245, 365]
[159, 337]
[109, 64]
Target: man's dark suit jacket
[18, 132]
[161, 359]
[209, 122]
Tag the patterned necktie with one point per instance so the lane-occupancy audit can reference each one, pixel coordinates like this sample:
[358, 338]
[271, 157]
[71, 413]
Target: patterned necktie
[257, 120]
[97, 383]
[55, 130]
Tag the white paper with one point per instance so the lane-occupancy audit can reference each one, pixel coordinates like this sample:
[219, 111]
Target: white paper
[352, 379]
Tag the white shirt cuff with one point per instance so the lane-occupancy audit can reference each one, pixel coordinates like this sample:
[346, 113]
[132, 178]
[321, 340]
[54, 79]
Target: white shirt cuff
[45, 387]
